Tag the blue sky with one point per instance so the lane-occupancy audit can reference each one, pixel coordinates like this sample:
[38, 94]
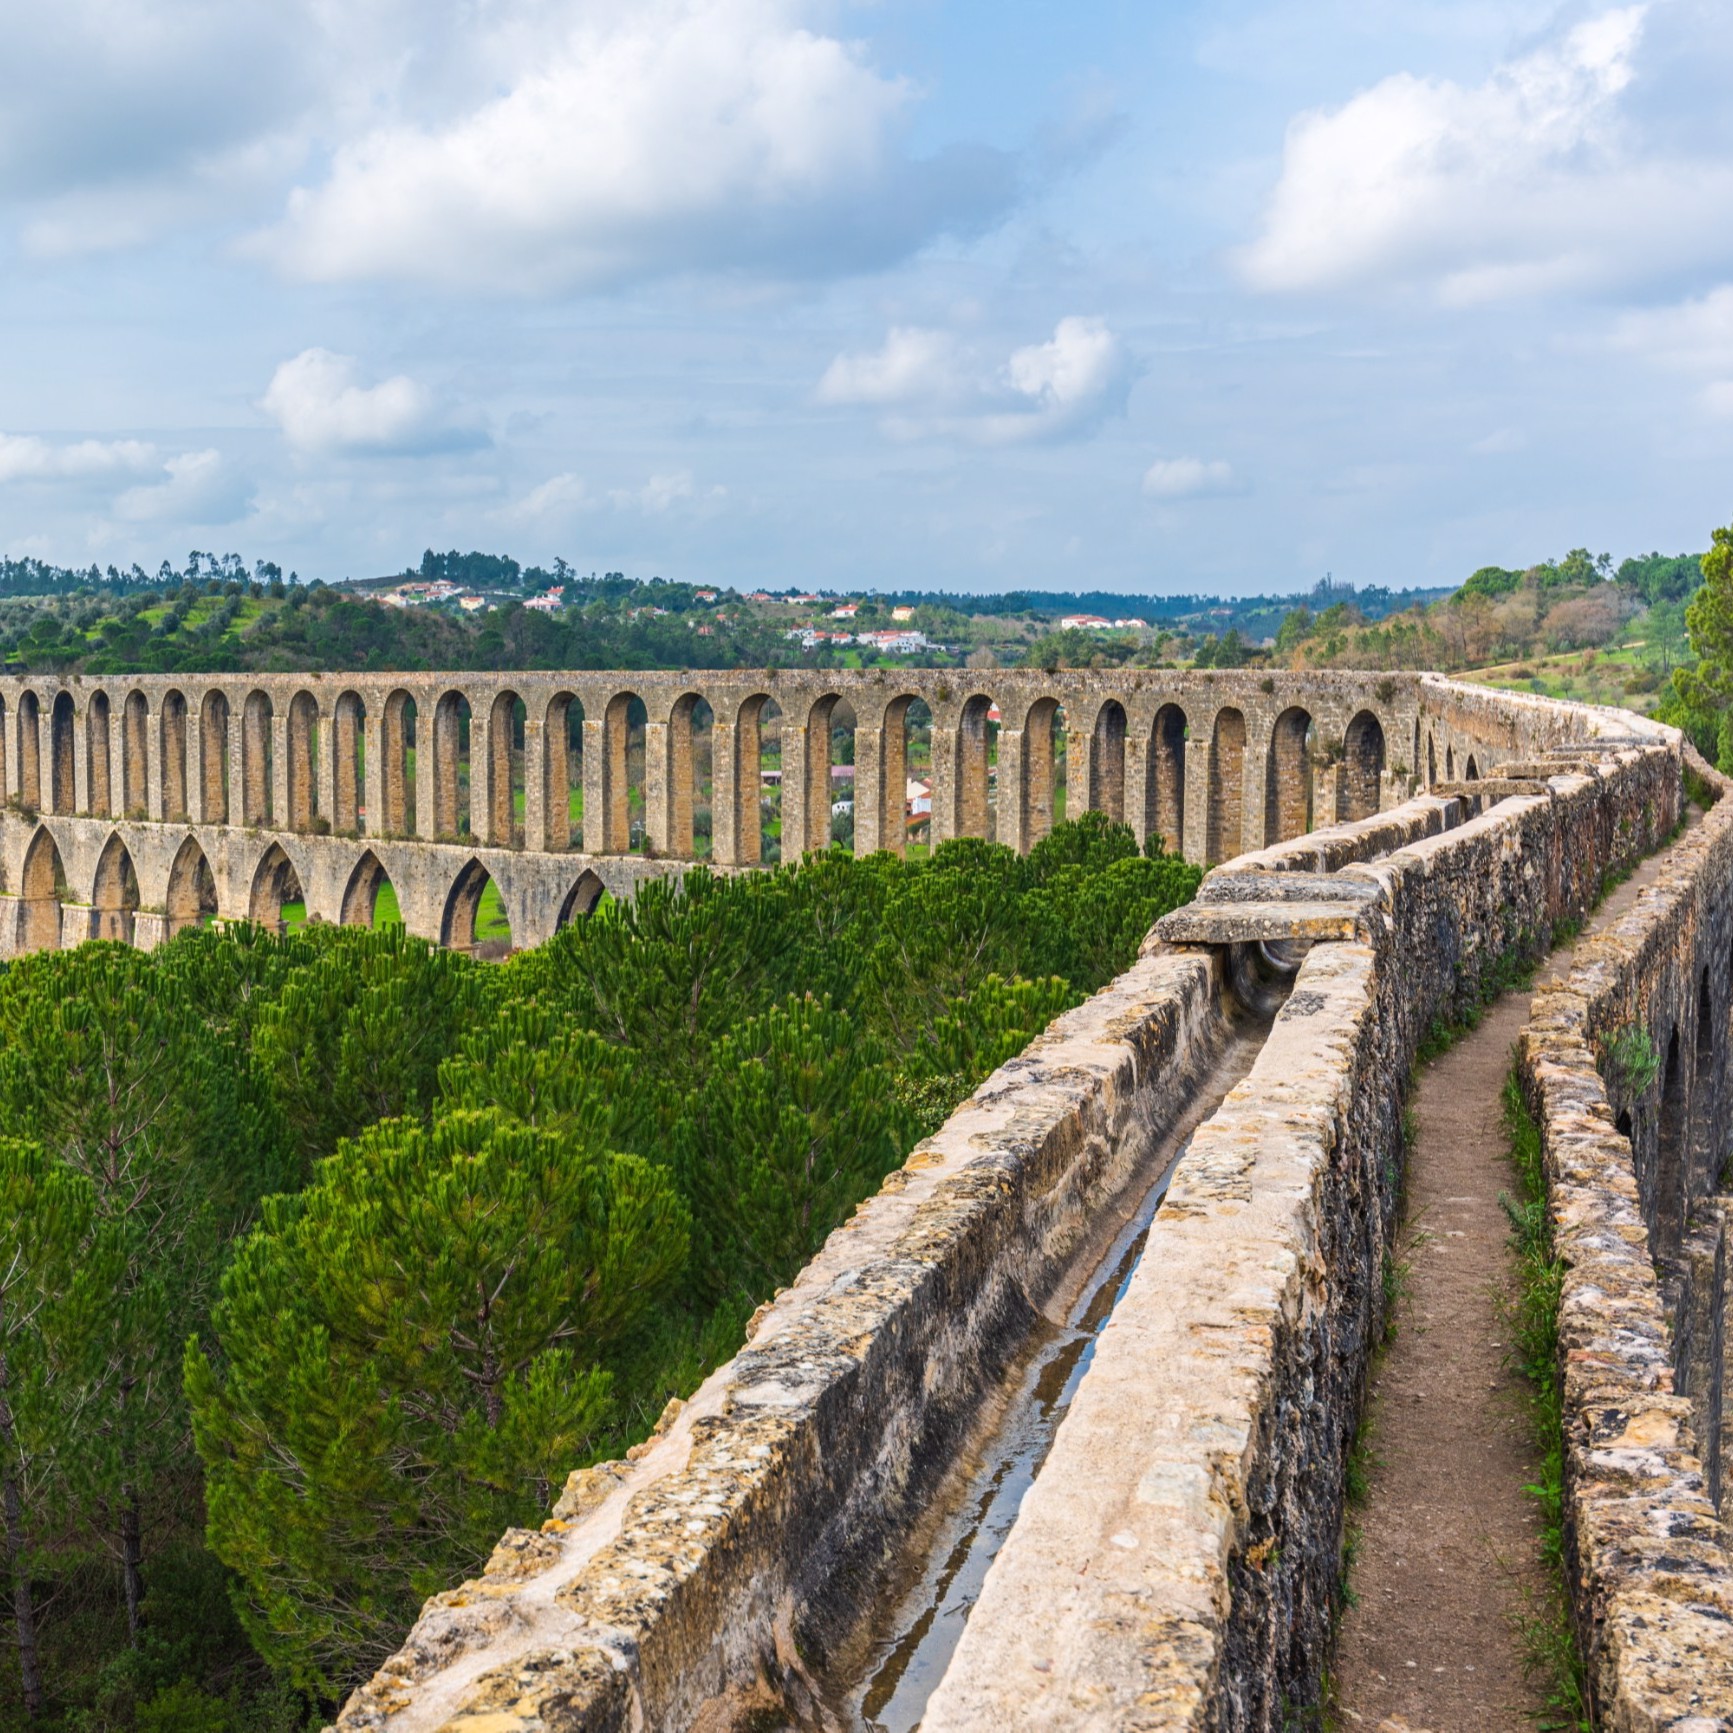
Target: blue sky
[1148, 297]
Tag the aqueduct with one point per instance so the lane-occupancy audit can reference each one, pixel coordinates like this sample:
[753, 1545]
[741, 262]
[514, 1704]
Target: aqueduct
[1386, 847]
[136, 806]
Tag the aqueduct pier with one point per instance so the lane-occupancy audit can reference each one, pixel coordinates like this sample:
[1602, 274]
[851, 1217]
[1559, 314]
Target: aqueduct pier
[1175, 1563]
[134, 807]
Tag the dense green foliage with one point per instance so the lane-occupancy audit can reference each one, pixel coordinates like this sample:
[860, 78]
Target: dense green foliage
[331, 1255]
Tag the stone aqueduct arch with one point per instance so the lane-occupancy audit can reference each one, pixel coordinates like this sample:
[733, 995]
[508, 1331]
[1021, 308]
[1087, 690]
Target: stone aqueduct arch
[415, 778]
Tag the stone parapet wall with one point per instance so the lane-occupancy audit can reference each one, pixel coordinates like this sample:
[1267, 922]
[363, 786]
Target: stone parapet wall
[723, 1562]
[1632, 1175]
[1175, 1564]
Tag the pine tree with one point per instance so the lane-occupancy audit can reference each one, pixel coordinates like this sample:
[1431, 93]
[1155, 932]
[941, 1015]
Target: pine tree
[408, 1358]
[797, 1123]
[359, 1028]
[59, 1266]
[94, 1062]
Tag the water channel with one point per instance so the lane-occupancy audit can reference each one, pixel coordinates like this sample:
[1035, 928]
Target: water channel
[887, 1675]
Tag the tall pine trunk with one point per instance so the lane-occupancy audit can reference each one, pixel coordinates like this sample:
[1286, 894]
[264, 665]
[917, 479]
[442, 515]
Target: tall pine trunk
[17, 1562]
[23, 1606]
[132, 1561]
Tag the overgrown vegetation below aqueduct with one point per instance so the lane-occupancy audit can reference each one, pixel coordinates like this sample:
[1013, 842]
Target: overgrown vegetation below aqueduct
[431, 1233]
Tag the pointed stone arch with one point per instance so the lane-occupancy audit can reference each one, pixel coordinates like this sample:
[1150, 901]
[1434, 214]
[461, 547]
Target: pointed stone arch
[581, 900]
[192, 890]
[275, 884]
[361, 897]
[41, 892]
[114, 895]
[460, 926]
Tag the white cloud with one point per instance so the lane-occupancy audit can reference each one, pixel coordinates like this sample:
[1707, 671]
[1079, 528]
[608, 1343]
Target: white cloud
[558, 496]
[24, 457]
[658, 494]
[928, 384]
[1189, 478]
[1539, 178]
[316, 400]
[913, 366]
[662, 137]
[200, 488]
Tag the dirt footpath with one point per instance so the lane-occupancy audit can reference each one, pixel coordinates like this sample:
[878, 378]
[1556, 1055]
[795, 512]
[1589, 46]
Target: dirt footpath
[1448, 1544]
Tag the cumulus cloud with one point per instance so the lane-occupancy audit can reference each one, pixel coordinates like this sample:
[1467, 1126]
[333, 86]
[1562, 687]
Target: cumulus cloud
[665, 137]
[927, 383]
[1552, 173]
[913, 366]
[199, 487]
[318, 402]
[25, 457]
[558, 496]
[1189, 478]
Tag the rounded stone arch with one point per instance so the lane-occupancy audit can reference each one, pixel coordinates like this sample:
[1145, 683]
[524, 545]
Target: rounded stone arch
[303, 760]
[1106, 790]
[29, 717]
[172, 754]
[62, 725]
[453, 744]
[398, 787]
[1288, 776]
[258, 798]
[1164, 779]
[275, 883]
[690, 773]
[99, 797]
[563, 771]
[459, 923]
[114, 893]
[214, 756]
[360, 907]
[609, 831]
[752, 798]
[41, 891]
[887, 802]
[347, 737]
[135, 755]
[1359, 792]
[581, 899]
[1431, 759]
[192, 890]
[1225, 833]
[973, 768]
[1043, 746]
[507, 722]
[823, 724]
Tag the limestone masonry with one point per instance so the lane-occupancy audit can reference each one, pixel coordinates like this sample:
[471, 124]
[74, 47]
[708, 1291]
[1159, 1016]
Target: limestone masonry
[1387, 842]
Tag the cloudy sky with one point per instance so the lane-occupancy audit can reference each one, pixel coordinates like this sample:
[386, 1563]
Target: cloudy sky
[1133, 293]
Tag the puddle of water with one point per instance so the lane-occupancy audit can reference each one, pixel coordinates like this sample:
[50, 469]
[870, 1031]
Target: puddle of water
[903, 1669]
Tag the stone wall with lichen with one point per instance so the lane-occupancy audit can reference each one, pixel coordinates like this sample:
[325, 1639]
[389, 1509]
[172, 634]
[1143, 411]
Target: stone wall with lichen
[1175, 1565]
[710, 1578]
[1625, 1064]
